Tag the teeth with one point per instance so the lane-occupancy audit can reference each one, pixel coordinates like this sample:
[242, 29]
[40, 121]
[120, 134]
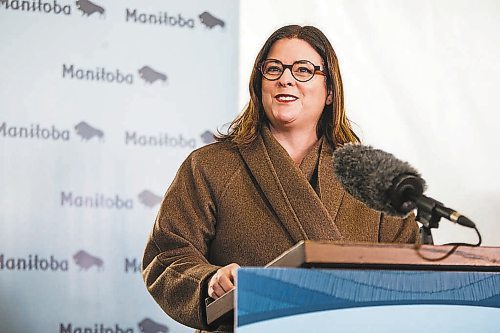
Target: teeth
[286, 98]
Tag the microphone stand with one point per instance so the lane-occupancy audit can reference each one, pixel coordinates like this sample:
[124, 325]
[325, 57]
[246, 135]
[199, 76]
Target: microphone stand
[429, 212]
[406, 195]
[429, 219]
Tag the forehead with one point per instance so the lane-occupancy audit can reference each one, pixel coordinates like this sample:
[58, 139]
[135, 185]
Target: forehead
[288, 50]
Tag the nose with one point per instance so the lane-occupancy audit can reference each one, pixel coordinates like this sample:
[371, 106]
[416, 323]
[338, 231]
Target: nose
[286, 78]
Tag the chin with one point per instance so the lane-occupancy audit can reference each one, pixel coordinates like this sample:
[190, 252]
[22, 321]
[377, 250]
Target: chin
[285, 119]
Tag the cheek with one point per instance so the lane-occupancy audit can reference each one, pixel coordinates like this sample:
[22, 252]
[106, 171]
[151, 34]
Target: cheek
[266, 97]
[266, 89]
[316, 96]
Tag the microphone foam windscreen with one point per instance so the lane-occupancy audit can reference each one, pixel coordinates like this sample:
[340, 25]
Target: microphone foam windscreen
[367, 174]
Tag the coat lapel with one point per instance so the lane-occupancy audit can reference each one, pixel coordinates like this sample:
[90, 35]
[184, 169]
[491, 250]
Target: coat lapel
[330, 189]
[258, 161]
[294, 201]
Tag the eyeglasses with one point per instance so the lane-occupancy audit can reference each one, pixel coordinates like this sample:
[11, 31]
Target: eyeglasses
[302, 70]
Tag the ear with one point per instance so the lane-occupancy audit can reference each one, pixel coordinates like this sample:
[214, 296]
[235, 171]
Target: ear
[329, 98]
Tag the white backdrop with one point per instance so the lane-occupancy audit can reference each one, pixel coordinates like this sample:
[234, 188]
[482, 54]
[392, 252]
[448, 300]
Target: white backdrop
[421, 80]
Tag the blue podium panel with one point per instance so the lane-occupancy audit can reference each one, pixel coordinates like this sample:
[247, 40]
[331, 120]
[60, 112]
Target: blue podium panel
[299, 300]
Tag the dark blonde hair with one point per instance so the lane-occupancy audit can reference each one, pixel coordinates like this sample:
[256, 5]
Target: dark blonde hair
[333, 123]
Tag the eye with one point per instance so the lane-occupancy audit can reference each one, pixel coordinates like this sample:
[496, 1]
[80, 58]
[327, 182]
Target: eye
[303, 69]
[273, 69]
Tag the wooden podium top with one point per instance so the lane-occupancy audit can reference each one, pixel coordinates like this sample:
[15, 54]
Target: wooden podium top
[314, 254]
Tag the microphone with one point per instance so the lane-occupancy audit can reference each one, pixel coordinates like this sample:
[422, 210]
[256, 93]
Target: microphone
[387, 184]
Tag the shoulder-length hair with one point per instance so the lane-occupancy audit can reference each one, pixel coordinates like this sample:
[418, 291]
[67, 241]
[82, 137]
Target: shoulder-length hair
[333, 123]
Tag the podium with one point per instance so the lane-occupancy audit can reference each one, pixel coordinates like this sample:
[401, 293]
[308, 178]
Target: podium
[355, 287]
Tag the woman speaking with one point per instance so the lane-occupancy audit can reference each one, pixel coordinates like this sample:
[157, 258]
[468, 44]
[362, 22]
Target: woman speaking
[267, 183]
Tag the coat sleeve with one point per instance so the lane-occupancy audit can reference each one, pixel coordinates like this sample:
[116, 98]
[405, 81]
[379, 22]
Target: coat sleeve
[175, 266]
[398, 230]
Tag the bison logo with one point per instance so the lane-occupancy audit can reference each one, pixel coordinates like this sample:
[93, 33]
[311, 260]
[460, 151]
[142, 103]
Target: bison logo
[207, 137]
[87, 132]
[210, 21]
[88, 8]
[150, 75]
[85, 260]
[149, 326]
[149, 199]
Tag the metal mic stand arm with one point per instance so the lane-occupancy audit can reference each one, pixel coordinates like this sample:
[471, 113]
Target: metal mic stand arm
[428, 216]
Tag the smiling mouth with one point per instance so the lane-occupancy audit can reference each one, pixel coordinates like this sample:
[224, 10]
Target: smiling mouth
[283, 98]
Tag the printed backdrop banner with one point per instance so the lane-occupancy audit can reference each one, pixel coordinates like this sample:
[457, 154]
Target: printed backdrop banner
[100, 102]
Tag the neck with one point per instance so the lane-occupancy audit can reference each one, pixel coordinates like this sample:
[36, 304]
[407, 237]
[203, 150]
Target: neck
[297, 143]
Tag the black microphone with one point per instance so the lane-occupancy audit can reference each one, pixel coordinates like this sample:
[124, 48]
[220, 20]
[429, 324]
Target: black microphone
[387, 184]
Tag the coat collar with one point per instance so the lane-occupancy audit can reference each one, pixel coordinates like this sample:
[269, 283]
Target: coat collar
[303, 213]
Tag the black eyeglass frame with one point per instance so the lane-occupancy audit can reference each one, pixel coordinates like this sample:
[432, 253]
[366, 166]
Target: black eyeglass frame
[317, 69]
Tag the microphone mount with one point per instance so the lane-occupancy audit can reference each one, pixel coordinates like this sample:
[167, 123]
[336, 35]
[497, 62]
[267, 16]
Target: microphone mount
[406, 194]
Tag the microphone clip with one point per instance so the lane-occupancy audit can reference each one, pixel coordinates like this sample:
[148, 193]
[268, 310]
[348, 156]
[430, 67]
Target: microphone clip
[428, 216]
[406, 194]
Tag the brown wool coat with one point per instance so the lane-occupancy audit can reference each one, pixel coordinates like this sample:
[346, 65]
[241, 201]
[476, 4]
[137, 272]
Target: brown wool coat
[248, 205]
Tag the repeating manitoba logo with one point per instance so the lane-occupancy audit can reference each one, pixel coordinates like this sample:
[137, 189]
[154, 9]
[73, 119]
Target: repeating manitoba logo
[149, 326]
[146, 325]
[34, 131]
[88, 7]
[37, 262]
[94, 328]
[50, 132]
[103, 201]
[162, 139]
[167, 19]
[207, 137]
[149, 74]
[33, 262]
[95, 201]
[210, 21]
[149, 199]
[97, 74]
[46, 7]
[87, 132]
[85, 260]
